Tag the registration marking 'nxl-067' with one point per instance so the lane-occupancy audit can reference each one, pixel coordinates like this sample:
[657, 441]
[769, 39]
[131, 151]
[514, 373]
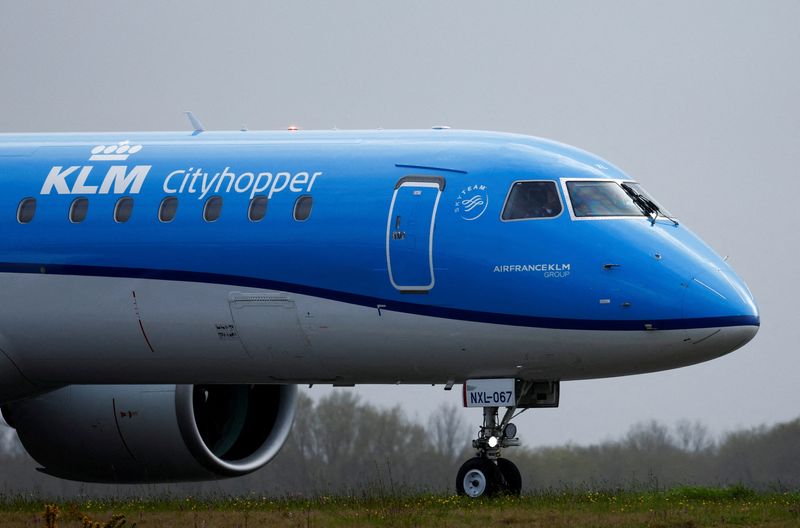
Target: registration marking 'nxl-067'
[489, 393]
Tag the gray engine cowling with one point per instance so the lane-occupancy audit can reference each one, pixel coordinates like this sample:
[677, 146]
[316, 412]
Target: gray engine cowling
[154, 433]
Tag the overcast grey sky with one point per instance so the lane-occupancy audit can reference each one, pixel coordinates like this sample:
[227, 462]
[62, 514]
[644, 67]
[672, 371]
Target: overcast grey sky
[697, 100]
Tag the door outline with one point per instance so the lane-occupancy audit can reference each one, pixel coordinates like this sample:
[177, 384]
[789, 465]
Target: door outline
[270, 314]
[414, 181]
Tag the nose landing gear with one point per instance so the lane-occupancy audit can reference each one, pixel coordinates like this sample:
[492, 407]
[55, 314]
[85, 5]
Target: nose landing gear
[487, 474]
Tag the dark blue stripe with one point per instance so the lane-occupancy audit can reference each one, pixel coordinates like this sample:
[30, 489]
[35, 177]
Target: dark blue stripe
[390, 305]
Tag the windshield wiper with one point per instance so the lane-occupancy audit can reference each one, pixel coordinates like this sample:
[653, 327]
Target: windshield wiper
[647, 205]
[658, 211]
[641, 202]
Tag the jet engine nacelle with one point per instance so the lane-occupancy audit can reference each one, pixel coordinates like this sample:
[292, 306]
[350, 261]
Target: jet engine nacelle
[154, 433]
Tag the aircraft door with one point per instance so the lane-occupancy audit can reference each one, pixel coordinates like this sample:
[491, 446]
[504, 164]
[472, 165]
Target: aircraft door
[409, 232]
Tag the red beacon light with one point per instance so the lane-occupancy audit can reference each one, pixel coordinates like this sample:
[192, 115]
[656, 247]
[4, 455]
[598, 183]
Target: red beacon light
[293, 129]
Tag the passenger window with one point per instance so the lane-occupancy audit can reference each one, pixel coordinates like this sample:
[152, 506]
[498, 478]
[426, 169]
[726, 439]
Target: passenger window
[123, 210]
[302, 208]
[168, 209]
[26, 210]
[258, 209]
[212, 209]
[78, 210]
[532, 199]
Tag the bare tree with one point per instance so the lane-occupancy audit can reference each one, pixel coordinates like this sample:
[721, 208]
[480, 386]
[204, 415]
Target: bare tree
[649, 436]
[693, 436]
[447, 431]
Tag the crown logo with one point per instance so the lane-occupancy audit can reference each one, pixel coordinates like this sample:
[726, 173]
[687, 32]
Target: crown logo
[118, 152]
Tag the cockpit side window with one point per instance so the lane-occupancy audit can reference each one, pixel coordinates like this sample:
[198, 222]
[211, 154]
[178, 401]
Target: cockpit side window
[601, 198]
[532, 199]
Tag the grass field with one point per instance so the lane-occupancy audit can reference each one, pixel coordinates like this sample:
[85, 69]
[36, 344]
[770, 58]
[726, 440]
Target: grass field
[682, 507]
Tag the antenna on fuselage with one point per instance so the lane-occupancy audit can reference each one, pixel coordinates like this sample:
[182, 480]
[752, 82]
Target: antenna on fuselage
[196, 124]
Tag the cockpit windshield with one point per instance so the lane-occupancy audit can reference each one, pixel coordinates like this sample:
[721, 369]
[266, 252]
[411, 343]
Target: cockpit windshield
[596, 198]
[601, 198]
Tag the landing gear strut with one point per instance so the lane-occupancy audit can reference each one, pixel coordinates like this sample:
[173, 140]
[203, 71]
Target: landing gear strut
[487, 473]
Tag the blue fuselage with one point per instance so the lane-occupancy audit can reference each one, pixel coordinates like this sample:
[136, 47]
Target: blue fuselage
[393, 222]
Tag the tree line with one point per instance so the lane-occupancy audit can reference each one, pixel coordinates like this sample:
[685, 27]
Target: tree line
[341, 445]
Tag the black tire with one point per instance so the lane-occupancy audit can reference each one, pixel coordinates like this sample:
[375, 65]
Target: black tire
[479, 477]
[511, 476]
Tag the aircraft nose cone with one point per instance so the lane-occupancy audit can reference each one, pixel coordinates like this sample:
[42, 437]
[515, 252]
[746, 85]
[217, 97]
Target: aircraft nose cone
[721, 298]
[718, 293]
[719, 305]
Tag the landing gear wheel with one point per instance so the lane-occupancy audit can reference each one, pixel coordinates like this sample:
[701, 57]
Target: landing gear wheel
[511, 476]
[479, 477]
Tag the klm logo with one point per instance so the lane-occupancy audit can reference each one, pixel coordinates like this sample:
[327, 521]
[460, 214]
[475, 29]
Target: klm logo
[118, 152]
[118, 179]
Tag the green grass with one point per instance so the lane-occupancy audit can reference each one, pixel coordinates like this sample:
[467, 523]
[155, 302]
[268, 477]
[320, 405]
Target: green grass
[680, 507]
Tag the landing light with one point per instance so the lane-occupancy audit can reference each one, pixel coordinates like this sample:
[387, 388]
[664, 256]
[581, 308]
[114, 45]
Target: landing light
[492, 441]
[510, 431]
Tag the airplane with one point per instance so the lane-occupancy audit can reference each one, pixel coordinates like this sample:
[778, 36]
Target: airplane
[165, 293]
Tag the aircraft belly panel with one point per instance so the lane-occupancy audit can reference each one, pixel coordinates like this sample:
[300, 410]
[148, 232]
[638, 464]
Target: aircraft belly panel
[87, 330]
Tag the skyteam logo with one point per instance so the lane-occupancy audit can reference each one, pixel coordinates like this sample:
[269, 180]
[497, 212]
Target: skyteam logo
[472, 202]
[118, 152]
